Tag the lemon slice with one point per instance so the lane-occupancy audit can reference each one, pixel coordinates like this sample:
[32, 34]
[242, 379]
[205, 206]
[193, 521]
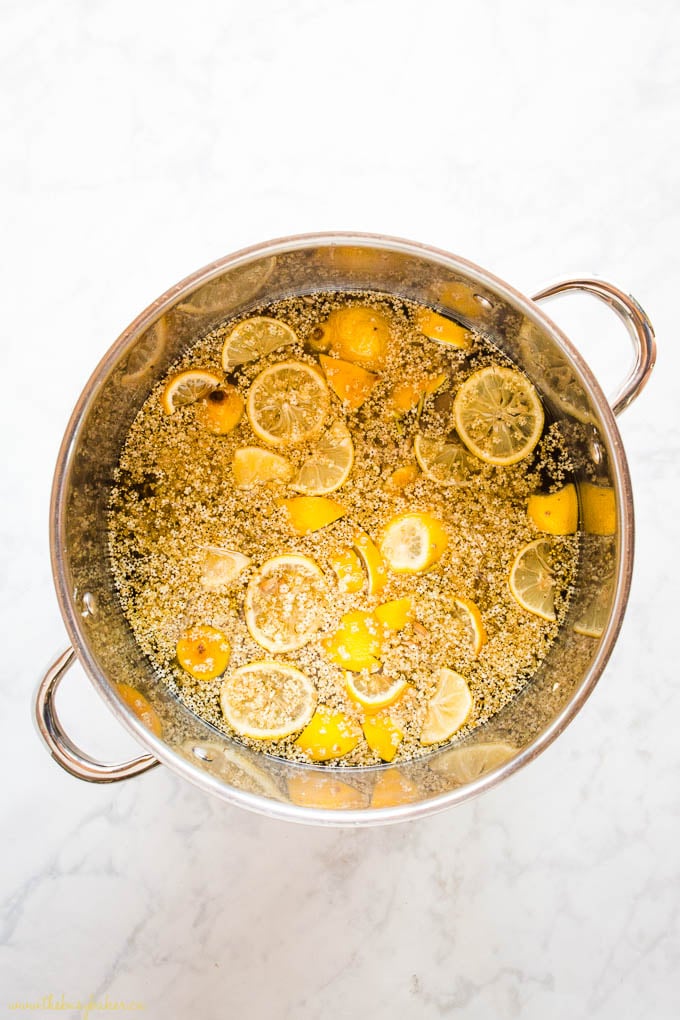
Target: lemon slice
[373, 691]
[267, 700]
[532, 583]
[203, 652]
[498, 415]
[346, 566]
[187, 387]
[593, 620]
[288, 403]
[465, 764]
[146, 353]
[413, 542]
[448, 709]
[253, 338]
[468, 615]
[252, 465]
[221, 566]
[445, 462]
[284, 602]
[374, 565]
[329, 465]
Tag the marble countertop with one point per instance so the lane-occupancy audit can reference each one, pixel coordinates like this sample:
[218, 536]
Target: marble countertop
[141, 141]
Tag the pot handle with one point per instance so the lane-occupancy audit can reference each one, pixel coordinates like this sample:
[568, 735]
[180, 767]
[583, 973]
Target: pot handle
[635, 320]
[62, 748]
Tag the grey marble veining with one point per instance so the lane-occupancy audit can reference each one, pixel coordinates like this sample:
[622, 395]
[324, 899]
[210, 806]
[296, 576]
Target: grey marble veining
[140, 142]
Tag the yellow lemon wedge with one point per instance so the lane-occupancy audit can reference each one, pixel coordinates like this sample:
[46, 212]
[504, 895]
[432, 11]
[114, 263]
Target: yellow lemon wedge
[187, 387]
[373, 691]
[351, 383]
[448, 709]
[285, 601]
[287, 403]
[392, 788]
[401, 478]
[357, 642]
[598, 503]
[444, 331]
[347, 568]
[251, 465]
[221, 566]
[253, 338]
[444, 461]
[328, 735]
[413, 542]
[532, 583]
[406, 395]
[395, 614]
[329, 465]
[555, 513]
[306, 514]
[141, 707]
[359, 334]
[310, 789]
[267, 700]
[203, 652]
[382, 735]
[374, 565]
[498, 415]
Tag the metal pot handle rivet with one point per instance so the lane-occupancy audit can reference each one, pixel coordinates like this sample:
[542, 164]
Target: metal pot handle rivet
[635, 320]
[62, 748]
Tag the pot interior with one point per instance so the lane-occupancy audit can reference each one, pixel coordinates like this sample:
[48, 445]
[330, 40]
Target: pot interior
[119, 387]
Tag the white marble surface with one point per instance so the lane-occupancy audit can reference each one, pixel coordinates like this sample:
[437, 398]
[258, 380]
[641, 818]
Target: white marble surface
[142, 140]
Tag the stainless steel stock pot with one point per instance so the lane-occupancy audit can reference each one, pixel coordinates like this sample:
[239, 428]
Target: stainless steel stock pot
[101, 638]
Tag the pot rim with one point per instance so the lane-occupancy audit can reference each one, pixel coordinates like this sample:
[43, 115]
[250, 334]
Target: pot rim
[285, 810]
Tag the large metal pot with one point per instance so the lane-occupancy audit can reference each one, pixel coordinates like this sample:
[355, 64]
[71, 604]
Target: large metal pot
[101, 637]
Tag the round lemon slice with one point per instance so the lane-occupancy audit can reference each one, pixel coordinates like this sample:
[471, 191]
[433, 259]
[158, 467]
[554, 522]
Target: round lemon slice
[267, 700]
[285, 602]
[253, 338]
[329, 465]
[288, 403]
[465, 764]
[373, 691]
[448, 709]
[413, 542]
[593, 619]
[532, 583]
[445, 462]
[498, 415]
[187, 387]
